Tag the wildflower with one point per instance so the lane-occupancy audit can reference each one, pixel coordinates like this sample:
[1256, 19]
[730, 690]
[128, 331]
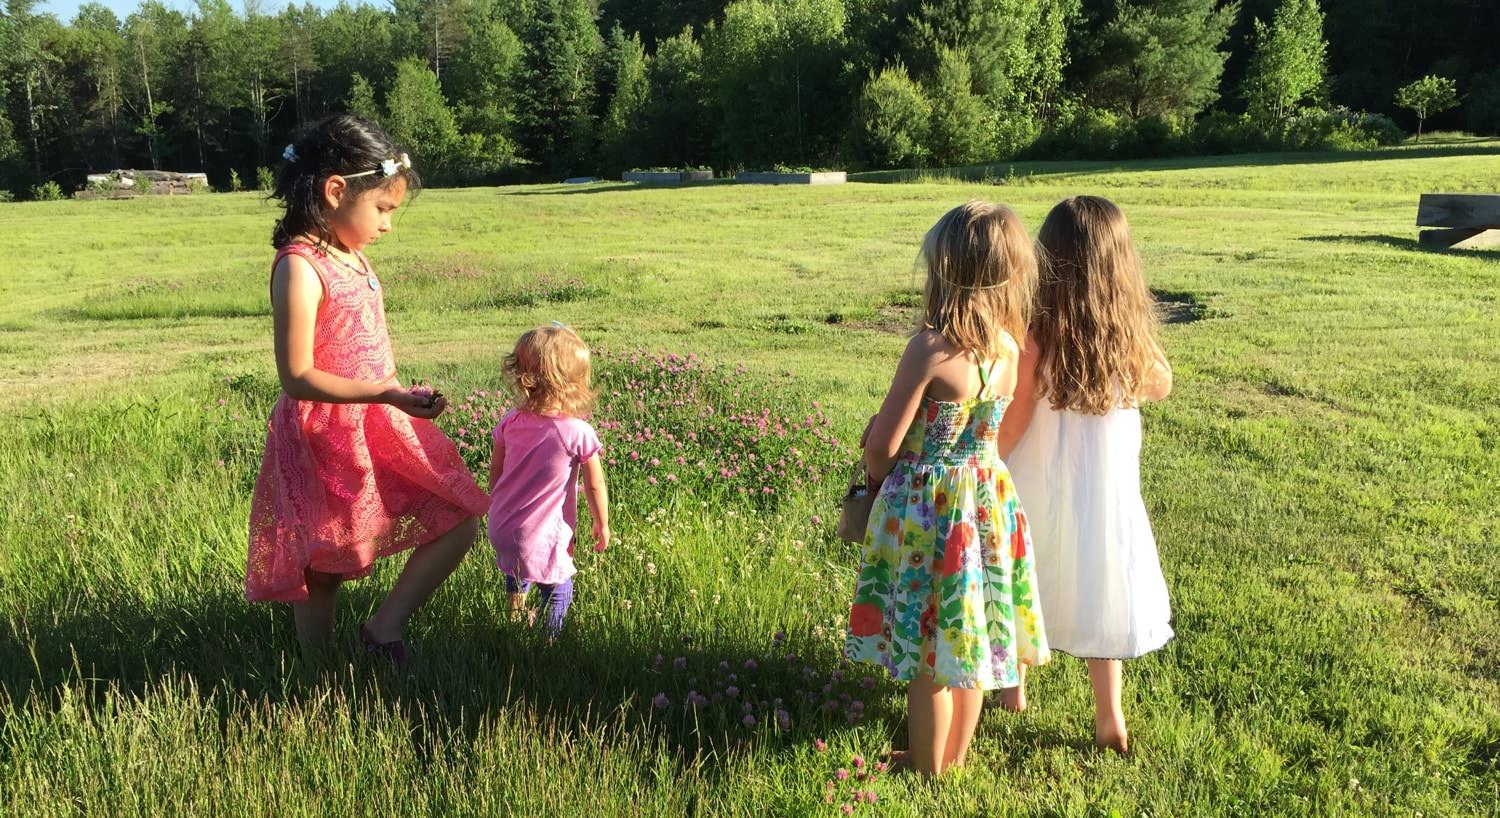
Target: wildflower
[651, 569]
[749, 720]
[859, 762]
[732, 691]
[848, 809]
[679, 663]
[783, 720]
[820, 745]
[842, 774]
[750, 664]
[661, 702]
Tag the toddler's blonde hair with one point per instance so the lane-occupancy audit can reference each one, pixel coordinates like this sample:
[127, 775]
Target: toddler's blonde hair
[549, 370]
[981, 278]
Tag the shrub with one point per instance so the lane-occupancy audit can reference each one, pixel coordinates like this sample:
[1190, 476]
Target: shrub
[235, 185]
[894, 116]
[1221, 132]
[958, 134]
[47, 192]
[141, 184]
[264, 179]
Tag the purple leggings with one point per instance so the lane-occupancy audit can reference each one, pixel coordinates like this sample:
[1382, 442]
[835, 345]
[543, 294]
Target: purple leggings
[555, 600]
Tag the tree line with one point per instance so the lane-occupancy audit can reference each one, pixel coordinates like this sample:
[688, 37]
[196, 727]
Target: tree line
[495, 90]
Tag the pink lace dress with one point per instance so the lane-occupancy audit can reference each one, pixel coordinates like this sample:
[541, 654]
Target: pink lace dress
[344, 483]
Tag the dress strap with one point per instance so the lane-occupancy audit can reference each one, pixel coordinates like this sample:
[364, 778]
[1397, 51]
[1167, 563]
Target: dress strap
[984, 377]
[310, 254]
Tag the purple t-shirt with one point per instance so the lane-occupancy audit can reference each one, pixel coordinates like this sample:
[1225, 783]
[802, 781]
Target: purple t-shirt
[534, 505]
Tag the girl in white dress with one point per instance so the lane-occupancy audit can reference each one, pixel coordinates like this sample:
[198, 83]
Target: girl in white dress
[1072, 439]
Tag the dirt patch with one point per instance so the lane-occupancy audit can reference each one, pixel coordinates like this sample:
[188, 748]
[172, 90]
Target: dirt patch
[1178, 307]
[895, 319]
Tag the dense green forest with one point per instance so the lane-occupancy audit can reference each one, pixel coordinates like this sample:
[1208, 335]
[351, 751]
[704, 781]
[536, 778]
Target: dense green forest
[494, 90]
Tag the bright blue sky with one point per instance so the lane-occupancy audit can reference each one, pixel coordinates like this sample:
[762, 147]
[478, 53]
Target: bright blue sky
[65, 9]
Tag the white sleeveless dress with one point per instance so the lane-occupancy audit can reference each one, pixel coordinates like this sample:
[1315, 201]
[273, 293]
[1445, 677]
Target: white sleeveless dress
[1099, 578]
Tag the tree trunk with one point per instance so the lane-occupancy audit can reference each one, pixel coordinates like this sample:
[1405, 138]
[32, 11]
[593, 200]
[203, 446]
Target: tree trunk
[150, 108]
[198, 111]
[32, 125]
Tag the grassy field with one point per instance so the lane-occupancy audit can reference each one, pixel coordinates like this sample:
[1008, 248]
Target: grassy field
[1324, 482]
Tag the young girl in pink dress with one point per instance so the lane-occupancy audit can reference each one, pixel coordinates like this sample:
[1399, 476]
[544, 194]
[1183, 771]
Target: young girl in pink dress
[353, 468]
[540, 449]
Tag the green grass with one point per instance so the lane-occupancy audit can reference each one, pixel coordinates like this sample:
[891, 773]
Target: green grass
[1323, 482]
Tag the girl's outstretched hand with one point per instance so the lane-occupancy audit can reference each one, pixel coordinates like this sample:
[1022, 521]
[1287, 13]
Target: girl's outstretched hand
[419, 401]
[601, 537]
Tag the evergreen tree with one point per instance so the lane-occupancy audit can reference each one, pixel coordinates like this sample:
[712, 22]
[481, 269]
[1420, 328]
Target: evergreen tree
[894, 115]
[620, 127]
[559, 46]
[418, 117]
[959, 135]
[1015, 47]
[362, 99]
[677, 119]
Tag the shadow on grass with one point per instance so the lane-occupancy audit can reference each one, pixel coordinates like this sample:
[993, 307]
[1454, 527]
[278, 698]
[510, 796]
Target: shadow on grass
[700, 694]
[613, 187]
[1400, 243]
[1031, 167]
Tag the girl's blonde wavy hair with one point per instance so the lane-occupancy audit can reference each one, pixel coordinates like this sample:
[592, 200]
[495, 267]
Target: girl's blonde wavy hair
[981, 278]
[550, 371]
[1095, 324]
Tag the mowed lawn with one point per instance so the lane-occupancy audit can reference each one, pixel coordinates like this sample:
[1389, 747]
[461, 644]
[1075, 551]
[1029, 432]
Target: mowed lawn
[1324, 484]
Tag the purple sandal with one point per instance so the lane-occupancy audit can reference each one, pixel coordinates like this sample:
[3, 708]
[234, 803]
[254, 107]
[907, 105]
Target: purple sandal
[393, 652]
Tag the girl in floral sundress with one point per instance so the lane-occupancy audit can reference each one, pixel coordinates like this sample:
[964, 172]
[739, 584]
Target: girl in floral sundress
[946, 596]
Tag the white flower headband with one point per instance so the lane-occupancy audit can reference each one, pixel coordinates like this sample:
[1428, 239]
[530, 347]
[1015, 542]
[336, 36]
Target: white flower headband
[388, 167]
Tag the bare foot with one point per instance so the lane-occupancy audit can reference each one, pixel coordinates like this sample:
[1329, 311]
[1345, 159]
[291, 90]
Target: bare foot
[899, 761]
[1013, 698]
[1111, 735]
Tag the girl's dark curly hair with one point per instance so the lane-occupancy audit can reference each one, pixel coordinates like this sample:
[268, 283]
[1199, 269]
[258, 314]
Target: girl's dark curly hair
[336, 145]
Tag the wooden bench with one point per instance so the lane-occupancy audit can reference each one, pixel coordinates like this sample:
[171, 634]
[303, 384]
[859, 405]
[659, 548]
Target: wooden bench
[1470, 221]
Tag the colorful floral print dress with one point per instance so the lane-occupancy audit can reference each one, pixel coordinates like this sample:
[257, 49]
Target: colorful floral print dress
[947, 585]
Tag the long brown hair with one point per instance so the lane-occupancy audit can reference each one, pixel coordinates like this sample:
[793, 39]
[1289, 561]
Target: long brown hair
[1095, 325]
[549, 371]
[981, 278]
